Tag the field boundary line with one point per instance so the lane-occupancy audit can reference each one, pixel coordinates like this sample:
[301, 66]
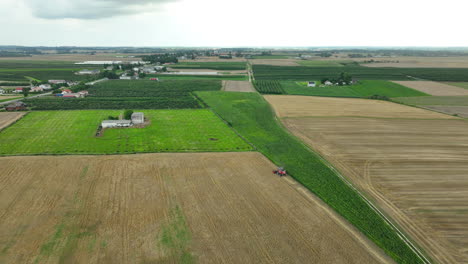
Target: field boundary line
[14, 122]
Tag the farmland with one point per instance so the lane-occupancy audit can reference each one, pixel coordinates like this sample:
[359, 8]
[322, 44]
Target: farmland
[412, 168]
[163, 77]
[8, 118]
[269, 87]
[320, 63]
[302, 73]
[463, 85]
[251, 116]
[154, 208]
[211, 65]
[309, 106]
[238, 86]
[73, 132]
[434, 88]
[121, 94]
[364, 88]
[452, 105]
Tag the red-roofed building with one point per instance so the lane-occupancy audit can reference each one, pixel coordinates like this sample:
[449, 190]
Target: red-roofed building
[66, 91]
[18, 90]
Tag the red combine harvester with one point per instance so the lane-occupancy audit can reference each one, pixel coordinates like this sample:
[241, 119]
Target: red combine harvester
[280, 171]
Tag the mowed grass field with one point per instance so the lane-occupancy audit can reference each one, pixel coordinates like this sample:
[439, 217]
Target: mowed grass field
[73, 132]
[363, 88]
[167, 208]
[412, 164]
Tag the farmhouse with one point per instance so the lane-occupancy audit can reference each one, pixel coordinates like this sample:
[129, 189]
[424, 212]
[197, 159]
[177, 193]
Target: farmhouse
[18, 90]
[311, 84]
[328, 83]
[37, 89]
[126, 77]
[154, 79]
[88, 72]
[138, 118]
[2, 91]
[66, 91]
[116, 123]
[16, 106]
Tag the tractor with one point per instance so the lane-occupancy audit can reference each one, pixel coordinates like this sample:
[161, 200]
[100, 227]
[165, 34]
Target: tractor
[280, 172]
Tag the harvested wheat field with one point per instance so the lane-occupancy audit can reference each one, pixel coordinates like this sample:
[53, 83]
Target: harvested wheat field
[167, 208]
[310, 106]
[9, 118]
[415, 169]
[238, 86]
[434, 88]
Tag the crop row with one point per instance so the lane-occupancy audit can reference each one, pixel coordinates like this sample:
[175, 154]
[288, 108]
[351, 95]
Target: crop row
[112, 103]
[267, 72]
[269, 87]
[211, 65]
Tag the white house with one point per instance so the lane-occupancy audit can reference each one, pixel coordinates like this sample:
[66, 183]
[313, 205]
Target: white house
[138, 118]
[57, 81]
[37, 89]
[328, 83]
[2, 91]
[116, 123]
[311, 84]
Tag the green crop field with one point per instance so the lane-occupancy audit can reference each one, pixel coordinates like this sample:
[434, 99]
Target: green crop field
[320, 63]
[142, 94]
[9, 99]
[463, 85]
[253, 118]
[363, 88]
[434, 100]
[73, 132]
[211, 65]
[302, 73]
[199, 77]
[269, 87]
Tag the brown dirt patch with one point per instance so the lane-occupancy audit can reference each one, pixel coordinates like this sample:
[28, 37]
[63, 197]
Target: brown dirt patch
[9, 118]
[308, 106]
[414, 169]
[213, 59]
[160, 208]
[238, 86]
[434, 88]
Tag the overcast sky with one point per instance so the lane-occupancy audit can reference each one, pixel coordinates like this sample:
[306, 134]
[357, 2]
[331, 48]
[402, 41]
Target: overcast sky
[233, 23]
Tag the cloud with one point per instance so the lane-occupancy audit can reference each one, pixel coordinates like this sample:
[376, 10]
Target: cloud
[90, 9]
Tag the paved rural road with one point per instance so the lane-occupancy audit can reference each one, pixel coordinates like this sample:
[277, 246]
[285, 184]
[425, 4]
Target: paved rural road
[16, 100]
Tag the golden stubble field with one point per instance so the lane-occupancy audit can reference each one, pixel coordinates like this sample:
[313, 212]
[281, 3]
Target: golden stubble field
[9, 118]
[414, 167]
[238, 86]
[167, 208]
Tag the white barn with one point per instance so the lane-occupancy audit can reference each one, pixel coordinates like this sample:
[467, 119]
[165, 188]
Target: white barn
[311, 84]
[138, 118]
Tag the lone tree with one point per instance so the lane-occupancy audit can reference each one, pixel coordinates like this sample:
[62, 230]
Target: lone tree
[128, 114]
[26, 92]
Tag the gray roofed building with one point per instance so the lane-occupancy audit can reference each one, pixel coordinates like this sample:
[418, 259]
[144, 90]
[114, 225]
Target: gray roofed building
[116, 123]
[138, 118]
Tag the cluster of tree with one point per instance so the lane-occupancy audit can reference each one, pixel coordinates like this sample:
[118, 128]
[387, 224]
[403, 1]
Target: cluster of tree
[128, 114]
[80, 87]
[359, 55]
[108, 74]
[161, 58]
[343, 79]
[379, 97]
[325, 54]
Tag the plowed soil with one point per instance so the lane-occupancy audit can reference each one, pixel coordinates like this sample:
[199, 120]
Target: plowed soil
[414, 169]
[434, 88]
[7, 119]
[166, 208]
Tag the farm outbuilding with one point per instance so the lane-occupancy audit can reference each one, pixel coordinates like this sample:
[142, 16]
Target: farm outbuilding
[16, 106]
[116, 123]
[311, 84]
[138, 118]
